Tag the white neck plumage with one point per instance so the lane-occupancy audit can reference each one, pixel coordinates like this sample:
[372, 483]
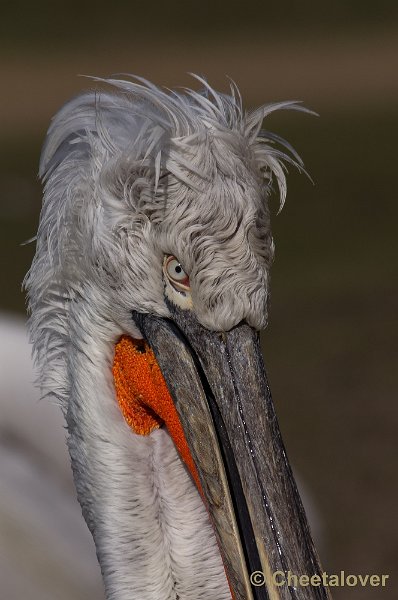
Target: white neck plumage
[152, 533]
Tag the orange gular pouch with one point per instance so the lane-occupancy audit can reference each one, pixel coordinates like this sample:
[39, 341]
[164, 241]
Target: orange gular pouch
[144, 398]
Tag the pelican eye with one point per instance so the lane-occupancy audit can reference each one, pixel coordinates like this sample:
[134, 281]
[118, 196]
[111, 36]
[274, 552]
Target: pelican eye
[176, 275]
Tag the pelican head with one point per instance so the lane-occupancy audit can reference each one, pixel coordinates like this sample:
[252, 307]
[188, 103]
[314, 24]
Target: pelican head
[155, 246]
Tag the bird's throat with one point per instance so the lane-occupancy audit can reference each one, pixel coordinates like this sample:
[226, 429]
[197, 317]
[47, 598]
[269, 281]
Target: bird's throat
[144, 398]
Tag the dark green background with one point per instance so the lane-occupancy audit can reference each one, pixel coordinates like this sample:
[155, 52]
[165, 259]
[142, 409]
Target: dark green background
[331, 344]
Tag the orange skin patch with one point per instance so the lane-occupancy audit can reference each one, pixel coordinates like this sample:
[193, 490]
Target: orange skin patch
[144, 398]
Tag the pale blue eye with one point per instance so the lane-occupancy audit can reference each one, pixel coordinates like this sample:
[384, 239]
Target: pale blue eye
[175, 272]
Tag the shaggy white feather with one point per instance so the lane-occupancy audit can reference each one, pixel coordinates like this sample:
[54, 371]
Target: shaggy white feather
[131, 175]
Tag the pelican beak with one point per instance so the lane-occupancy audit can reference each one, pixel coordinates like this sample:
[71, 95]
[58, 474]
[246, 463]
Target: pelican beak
[220, 389]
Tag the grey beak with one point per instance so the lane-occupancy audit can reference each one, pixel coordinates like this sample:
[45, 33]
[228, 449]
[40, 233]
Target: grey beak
[220, 389]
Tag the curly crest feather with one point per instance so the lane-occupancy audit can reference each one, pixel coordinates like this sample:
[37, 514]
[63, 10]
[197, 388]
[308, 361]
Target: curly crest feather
[111, 162]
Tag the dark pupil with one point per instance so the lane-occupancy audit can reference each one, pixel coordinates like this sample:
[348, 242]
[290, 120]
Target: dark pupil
[178, 269]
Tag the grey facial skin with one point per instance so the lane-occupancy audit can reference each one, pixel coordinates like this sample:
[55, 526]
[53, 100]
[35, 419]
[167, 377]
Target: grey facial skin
[220, 389]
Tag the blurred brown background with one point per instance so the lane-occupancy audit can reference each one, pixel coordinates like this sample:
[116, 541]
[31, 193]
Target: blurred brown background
[331, 343]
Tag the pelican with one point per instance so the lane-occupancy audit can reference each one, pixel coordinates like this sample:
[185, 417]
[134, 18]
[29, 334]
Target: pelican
[147, 292]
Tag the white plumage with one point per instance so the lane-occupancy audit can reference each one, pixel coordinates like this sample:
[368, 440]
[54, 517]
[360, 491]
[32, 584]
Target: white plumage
[131, 175]
[45, 551]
